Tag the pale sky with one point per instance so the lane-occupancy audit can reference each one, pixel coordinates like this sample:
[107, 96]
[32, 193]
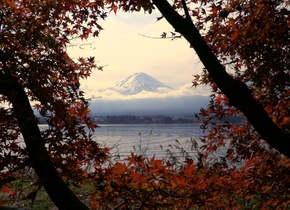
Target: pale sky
[125, 51]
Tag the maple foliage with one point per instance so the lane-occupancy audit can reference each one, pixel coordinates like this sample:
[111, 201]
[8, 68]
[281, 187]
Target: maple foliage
[234, 169]
[36, 69]
[251, 41]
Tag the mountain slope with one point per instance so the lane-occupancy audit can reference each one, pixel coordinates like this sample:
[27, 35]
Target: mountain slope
[137, 83]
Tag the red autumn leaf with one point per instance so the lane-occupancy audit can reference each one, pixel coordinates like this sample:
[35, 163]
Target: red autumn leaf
[114, 8]
[214, 10]
[5, 189]
[219, 99]
[235, 35]
[189, 170]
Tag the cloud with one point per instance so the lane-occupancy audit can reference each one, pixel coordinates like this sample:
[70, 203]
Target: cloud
[182, 101]
[185, 90]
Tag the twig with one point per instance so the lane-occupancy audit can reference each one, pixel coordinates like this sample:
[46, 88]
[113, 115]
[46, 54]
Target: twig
[161, 37]
[187, 16]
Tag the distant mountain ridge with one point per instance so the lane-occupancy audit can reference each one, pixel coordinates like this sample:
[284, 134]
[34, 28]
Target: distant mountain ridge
[137, 83]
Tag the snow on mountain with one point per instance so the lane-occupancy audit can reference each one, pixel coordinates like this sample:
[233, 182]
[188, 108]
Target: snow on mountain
[138, 83]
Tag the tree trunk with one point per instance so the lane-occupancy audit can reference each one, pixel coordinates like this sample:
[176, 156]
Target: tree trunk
[58, 191]
[236, 91]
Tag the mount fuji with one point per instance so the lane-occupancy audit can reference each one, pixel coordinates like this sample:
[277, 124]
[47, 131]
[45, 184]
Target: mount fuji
[137, 83]
[142, 94]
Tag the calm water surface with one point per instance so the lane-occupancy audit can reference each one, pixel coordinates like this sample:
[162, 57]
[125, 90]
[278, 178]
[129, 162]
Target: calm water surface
[147, 139]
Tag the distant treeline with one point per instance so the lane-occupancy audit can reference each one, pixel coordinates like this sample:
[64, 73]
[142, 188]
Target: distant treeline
[157, 119]
[131, 119]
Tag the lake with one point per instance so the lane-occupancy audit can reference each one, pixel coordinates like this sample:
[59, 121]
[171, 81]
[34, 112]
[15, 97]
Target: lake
[147, 139]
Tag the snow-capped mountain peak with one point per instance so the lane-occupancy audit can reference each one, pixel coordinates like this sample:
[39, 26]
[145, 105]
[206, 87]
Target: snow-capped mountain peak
[139, 82]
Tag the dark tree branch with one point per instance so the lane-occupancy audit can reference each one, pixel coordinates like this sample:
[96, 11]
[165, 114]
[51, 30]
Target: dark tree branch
[57, 190]
[236, 91]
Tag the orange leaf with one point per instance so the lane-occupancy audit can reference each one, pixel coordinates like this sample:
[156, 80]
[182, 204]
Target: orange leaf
[120, 168]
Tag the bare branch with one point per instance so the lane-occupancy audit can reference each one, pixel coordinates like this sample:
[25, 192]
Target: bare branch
[187, 16]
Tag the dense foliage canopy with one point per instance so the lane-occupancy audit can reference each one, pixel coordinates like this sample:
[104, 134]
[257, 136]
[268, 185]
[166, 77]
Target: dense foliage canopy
[244, 43]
